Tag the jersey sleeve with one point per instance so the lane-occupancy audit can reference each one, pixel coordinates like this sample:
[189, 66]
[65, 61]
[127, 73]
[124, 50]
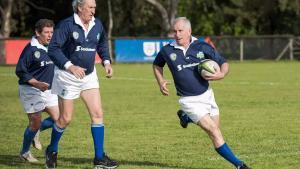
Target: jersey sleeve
[211, 53]
[102, 46]
[159, 59]
[23, 65]
[59, 38]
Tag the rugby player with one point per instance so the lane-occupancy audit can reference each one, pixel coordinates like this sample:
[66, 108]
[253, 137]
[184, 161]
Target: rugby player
[73, 48]
[197, 100]
[35, 72]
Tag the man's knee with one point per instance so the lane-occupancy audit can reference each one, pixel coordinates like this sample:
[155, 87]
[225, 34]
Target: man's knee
[35, 126]
[97, 117]
[209, 126]
[35, 121]
[216, 132]
[213, 129]
[53, 112]
[64, 121]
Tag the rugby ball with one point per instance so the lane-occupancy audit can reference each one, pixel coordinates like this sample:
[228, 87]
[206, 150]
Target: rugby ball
[208, 67]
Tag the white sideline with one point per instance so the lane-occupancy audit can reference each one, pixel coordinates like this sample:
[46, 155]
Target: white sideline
[153, 79]
[170, 80]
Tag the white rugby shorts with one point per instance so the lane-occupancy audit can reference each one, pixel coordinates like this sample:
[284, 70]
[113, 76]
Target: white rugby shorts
[34, 100]
[67, 86]
[198, 106]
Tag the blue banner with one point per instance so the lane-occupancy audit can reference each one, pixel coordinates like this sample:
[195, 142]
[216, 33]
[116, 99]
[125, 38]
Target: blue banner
[138, 50]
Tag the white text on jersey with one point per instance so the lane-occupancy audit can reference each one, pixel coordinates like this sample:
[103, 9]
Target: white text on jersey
[79, 48]
[180, 67]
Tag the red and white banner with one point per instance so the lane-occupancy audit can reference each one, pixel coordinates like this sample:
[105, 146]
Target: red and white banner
[14, 48]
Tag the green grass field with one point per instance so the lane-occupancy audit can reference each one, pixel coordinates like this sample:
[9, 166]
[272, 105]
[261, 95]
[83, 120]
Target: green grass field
[260, 113]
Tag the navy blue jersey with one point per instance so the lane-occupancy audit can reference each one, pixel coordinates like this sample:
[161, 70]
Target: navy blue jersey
[183, 67]
[70, 43]
[34, 62]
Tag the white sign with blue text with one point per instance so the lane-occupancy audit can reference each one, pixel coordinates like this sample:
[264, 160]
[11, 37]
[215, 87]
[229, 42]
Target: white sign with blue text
[138, 50]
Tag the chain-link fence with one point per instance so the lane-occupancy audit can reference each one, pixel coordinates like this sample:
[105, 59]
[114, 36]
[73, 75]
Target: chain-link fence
[231, 47]
[257, 47]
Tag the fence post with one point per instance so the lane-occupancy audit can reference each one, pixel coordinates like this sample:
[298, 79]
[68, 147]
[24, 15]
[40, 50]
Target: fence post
[241, 50]
[2, 52]
[291, 49]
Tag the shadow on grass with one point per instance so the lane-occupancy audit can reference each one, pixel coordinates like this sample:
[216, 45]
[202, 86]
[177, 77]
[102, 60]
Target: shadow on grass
[140, 164]
[14, 161]
[156, 164]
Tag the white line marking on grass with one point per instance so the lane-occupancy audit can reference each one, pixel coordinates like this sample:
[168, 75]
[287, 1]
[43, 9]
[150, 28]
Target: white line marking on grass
[250, 83]
[129, 78]
[238, 83]
[170, 80]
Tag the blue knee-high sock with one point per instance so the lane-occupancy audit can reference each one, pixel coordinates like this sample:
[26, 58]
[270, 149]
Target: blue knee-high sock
[98, 137]
[46, 123]
[28, 137]
[56, 134]
[226, 153]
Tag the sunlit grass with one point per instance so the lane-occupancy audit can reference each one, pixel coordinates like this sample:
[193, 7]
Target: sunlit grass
[259, 104]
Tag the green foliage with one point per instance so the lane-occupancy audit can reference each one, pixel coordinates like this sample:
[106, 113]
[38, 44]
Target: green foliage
[135, 18]
[259, 103]
[139, 18]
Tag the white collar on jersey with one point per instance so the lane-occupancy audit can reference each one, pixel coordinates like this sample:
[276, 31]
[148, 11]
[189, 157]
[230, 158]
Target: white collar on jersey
[36, 43]
[175, 45]
[78, 21]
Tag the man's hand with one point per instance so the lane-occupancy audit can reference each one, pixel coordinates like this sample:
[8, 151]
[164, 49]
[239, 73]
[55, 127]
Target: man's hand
[216, 76]
[77, 71]
[163, 88]
[39, 85]
[220, 74]
[158, 73]
[108, 70]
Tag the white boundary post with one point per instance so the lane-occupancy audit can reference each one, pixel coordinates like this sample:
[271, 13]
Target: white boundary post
[241, 50]
[291, 49]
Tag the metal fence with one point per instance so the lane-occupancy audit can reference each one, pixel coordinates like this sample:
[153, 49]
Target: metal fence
[236, 48]
[258, 47]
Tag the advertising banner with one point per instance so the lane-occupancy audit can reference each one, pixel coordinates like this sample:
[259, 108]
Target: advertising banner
[14, 48]
[138, 50]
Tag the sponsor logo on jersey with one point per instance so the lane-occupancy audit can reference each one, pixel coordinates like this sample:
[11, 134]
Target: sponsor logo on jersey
[173, 56]
[200, 55]
[37, 54]
[75, 35]
[43, 63]
[79, 48]
[180, 67]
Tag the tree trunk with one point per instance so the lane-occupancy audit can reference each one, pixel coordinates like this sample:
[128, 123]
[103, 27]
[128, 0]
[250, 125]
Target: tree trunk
[164, 15]
[5, 27]
[110, 27]
[172, 14]
[6, 18]
[167, 14]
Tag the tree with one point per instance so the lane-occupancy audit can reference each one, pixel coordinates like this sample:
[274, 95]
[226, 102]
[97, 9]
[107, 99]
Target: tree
[110, 27]
[5, 15]
[167, 14]
[206, 16]
[288, 17]
[154, 17]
